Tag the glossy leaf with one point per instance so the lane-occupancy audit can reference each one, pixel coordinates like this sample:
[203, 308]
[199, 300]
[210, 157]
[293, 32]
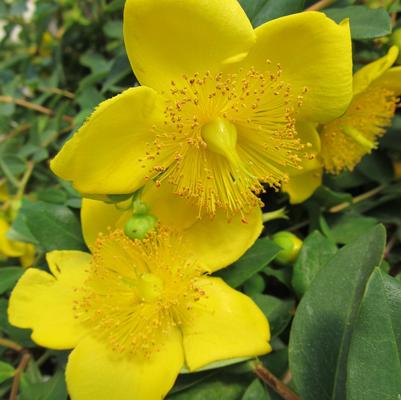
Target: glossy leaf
[326, 316]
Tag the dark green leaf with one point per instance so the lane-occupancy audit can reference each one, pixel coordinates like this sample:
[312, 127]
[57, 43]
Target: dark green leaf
[254, 260]
[349, 227]
[316, 251]
[366, 23]
[374, 362]
[7, 371]
[277, 311]
[256, 391]
[326, 316]
[8, 277]
[55, 227]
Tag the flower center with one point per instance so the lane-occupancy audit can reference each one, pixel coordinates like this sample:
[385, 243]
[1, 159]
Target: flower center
[137, 291]
[226, 135]
[220, 136]
[150, 287]
[348, 138]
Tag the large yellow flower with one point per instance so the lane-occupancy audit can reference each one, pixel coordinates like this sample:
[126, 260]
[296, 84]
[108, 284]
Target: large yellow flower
[136, 313]
[345, 140]
[8, 247]
[216, 115]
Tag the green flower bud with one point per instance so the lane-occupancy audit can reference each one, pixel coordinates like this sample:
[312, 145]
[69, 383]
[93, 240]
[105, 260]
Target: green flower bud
[140, 208]
[290, 244]
[139, 225]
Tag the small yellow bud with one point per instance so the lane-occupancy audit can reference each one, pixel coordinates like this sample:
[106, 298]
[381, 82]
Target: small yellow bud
[290, 244]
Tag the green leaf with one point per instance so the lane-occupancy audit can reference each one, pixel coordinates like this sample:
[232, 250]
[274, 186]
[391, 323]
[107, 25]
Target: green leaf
[329, 198]
[316, 251]
[261, 11]
[52, 389]
[366, 23]
[374, 362]
[254, 260]
[55, 227]
[8, 277]
[377, 167]
[7, 371]
[350, 227]
[326, 316]
[256, 391]
[277, 311]
[222, 387]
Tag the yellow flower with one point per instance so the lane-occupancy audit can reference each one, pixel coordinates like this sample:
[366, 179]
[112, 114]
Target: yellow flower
[202, 236]
[136, 314]
[8, 247]
[216, 115]
[345, 140]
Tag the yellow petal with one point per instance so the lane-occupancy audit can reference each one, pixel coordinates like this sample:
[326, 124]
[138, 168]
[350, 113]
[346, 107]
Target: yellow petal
[8, 247]
[314, 52]
[97, 216]
[391, 80]
[374, 70]
[167, 38]
[103, 156]
[94, 372]
[301, 187]
[170, 209]
[44, 302]
[217, 243]
[224, 324]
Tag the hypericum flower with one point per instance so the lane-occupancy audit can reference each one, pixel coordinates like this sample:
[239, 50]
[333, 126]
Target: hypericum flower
[376, 94]
[345, 140]
[216, 117]
[202, 236]
[136, 313]
[8, 247]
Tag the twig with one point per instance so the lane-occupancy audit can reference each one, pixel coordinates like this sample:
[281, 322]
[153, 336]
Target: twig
[10, 344]
[17, 377]
[15, 132]
[61, 92]
[32, 106]
[357, 199]
[24, 181]
[320, 5]
[267, 377]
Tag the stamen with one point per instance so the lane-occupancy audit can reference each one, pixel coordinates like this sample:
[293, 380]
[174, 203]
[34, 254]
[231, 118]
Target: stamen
[348, 138]
[138, 290]
[225, 135]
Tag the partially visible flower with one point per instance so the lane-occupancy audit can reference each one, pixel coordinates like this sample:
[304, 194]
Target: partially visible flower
[290, 244]
[136, 313]
[216, 119]
[345, 140]
[8, 247]
[202, 235]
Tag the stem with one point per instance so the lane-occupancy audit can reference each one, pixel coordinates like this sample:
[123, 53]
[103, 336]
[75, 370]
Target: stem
[320, 5]
[32, 106]
[267, 377]
[276, 214]
[10, 344]
[15, 132]
[24, 180]
[17, 377]
[357, 199]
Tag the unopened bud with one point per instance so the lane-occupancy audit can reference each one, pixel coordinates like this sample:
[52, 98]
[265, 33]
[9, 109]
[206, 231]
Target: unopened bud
[290, 244]
[139, 225]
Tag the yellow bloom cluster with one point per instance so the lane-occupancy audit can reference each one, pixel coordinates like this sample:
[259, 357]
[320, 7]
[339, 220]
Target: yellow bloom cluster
[224, 112]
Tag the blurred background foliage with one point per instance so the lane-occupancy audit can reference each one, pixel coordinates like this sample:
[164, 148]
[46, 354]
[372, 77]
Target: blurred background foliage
[58, 60]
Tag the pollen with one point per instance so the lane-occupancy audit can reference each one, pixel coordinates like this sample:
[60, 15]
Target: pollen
[347, 139]
[138, 290]
[227, 135]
